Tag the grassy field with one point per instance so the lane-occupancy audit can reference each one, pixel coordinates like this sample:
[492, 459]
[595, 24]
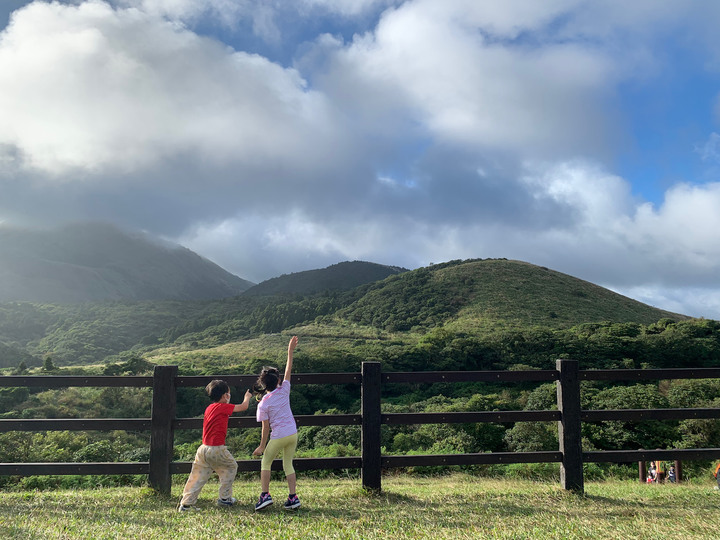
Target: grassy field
[456, 506]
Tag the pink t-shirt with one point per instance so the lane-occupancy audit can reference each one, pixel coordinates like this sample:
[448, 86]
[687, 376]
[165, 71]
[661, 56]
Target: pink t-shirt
[275, 407]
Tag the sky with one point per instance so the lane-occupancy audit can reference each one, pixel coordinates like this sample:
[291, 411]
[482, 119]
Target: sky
[273, 137]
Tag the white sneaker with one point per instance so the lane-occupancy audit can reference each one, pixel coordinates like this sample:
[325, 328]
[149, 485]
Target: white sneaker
[227, 502]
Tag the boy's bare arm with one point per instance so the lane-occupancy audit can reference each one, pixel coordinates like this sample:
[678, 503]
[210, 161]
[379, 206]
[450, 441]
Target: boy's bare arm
[245, 404]
[291, 348]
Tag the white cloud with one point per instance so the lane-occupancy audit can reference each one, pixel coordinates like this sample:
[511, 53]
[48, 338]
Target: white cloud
[684, 230]
[693, 301]
[620, 242]
[431, 62]
[122, 90]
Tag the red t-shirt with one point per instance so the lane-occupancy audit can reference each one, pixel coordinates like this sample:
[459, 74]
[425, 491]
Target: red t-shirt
[215, 423]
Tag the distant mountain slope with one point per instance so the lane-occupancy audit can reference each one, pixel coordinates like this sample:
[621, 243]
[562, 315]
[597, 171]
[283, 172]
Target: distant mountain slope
[338, 277]
[11, 357]
[494, 290]
[89, 262]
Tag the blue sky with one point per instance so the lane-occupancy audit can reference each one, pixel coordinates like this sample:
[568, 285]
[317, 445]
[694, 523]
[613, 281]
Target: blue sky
[274, 137]
[668, 121]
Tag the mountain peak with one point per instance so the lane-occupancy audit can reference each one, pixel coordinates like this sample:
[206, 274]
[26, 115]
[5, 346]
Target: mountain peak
[337, 277]
[82, 262]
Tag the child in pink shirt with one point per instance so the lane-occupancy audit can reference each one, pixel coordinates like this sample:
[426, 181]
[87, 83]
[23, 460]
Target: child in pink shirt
[279, 425]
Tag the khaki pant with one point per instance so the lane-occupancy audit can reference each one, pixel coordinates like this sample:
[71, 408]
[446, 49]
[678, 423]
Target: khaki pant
[207, 460]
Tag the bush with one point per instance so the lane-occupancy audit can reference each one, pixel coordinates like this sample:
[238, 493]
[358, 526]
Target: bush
[96, 451]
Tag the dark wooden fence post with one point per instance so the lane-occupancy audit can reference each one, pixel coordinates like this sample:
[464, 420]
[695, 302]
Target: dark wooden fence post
[370, 436]
[569, 433]
[161, 428]
[642, 470]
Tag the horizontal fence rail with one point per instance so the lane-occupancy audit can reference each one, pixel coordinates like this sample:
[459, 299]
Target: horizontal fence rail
[637, 415]
[59, 469]
[649, 374]
[569, 416]
[301, 420]
[246, 381]
[77, 424]
[299, 464]
[65, 381]
[490, 458]
[470, 417]
[470, 376]
[627, 456]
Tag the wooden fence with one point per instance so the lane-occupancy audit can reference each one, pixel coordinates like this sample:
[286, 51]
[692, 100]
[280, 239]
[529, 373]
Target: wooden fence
[371, 462]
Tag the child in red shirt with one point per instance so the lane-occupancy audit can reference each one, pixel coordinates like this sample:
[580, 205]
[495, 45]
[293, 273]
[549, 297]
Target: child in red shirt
[213, 455]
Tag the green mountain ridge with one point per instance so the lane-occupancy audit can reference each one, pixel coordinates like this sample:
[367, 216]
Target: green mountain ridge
[494, 290]
[337, 277]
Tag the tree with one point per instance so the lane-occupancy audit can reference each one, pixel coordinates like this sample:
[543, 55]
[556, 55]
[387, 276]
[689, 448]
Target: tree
[615, 435]
[48, 365]
[21, 368]
[532, 437]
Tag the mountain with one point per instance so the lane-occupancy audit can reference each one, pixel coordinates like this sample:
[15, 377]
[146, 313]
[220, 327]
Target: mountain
[338, 277]
[95, 261]
[492, 292]
[478, 301]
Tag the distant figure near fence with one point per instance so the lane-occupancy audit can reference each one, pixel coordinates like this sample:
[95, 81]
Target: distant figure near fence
[652, 473]
[671, 474]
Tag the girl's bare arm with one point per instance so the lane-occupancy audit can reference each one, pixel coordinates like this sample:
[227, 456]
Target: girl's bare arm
[291, 348]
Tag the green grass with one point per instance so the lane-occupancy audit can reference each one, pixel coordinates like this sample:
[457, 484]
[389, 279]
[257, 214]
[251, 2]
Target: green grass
[455, 506]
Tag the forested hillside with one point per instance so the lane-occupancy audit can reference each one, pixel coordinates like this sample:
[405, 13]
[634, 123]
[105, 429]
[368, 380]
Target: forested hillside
[338, 277]
[491, 291]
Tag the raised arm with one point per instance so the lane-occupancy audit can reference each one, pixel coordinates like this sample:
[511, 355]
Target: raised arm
[245, 404]
[291, 348]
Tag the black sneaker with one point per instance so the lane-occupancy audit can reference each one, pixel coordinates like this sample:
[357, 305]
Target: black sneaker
[265, 500]
[292, 503]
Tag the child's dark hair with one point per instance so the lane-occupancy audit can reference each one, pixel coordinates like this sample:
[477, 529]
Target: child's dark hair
[267, 381]
[217, 389]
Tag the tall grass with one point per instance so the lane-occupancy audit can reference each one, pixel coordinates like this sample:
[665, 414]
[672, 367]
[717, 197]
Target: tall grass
[454, 506]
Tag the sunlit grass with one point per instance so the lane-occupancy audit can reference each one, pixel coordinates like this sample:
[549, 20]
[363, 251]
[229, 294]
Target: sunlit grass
[316, 340]
[455, 506]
